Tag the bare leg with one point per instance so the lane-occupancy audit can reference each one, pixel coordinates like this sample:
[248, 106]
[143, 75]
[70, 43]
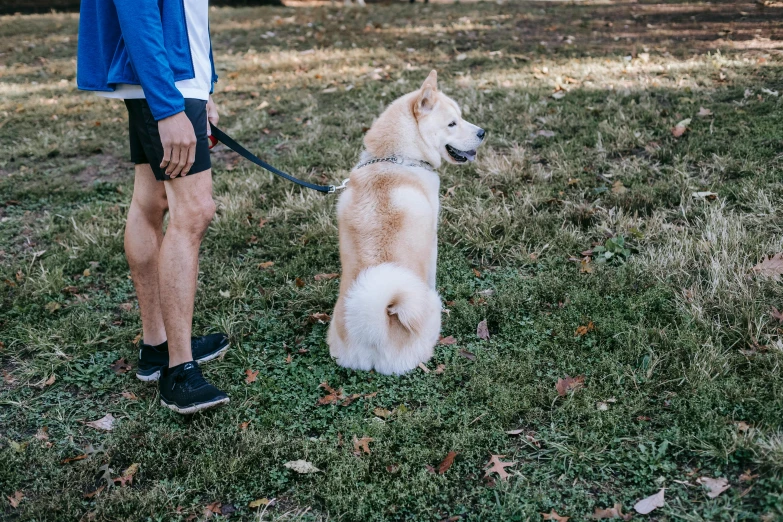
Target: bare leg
[191, 210]
[143, 237]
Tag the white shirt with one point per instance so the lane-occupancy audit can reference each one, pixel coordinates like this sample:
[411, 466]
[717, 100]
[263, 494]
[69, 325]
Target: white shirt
[197, 19]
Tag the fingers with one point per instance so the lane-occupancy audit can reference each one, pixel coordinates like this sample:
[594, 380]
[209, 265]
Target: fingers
[166, 157]
[190, 161]
[181, 162]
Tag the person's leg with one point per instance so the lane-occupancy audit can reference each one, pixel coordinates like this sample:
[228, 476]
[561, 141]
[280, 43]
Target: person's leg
[191, 209]
[143, 237]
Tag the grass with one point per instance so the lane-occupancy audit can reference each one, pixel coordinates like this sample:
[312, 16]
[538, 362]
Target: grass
[683, 337]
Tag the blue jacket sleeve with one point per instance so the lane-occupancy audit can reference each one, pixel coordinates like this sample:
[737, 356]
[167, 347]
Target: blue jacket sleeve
[142, 31]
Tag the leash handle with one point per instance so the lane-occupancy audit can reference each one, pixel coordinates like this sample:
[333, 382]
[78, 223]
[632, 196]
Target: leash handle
[228, 141]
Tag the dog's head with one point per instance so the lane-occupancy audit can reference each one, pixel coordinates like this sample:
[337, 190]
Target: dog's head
[441, 124]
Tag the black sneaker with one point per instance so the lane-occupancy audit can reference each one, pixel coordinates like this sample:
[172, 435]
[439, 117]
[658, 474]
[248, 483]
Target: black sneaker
[152, 359]
[184, 390]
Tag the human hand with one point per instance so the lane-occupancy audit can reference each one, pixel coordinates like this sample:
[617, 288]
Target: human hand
[212, 115]
[179, 144]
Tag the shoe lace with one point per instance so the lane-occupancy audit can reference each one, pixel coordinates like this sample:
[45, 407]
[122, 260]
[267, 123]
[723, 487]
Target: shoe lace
[192, 378]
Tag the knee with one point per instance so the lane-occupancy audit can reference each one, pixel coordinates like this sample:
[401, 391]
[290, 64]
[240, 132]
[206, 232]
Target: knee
[195, 218]
[153, 208]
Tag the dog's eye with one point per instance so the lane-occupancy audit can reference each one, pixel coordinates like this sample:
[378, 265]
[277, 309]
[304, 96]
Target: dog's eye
[453, 124]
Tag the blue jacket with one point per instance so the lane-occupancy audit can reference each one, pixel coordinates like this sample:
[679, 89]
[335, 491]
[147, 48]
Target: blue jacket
[138, 42]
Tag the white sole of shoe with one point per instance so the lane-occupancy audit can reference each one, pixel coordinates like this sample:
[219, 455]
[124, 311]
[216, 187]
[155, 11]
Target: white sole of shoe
[155, 376]
[195, 408]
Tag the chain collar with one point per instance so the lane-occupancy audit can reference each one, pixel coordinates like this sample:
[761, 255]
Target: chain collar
[398, 161]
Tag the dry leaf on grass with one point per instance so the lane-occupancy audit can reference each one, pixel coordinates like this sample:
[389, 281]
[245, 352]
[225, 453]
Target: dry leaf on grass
[776, 314]
[301, 466]
[568, 384]
[618, 187]
[704, 112]
[382, 413]
[74, 459]
[482, 330]
[105, 423]
[446, 341]
[613, 512]
[706, 195]
[259, 502]
[552, 515]
[333, 396]
[129, 395]
[748, 476]
[583, 330]
[41, 434]
[299, 282]
[251, 376]
[496, 465]
[15, 499]
[447, 462]
[95, 493]
[440, 369]
[212, 509]
[266, 264]
[326, 277]
[424, 368]
[50, 380]
[120, 366]
[714, 486]
[320, 318]
[681, 127]
[361, 445]
[468, 355]
[651, 503]
[126, 478]
[770, 266]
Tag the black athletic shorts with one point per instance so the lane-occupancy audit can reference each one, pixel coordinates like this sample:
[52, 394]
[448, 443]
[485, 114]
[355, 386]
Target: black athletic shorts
[145, 145]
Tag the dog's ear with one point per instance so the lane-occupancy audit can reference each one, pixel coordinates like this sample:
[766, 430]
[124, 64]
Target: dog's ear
[425, 101]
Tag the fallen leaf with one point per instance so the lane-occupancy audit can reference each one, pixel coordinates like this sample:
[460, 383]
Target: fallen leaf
[582, 330]
[747, 476]
[289, 358]
[212, 509]
[262, 222]
[243, 426]
[126, 478]
[477, 273]
[301, 466]
[440, 369]
[446, 341]
[613, 512]
[126, 307]
[50, 380]
[585, 267]
[447, 462]
[251, 376]
[8, 378]
[361, 445]
[129, 395]
[742, 426]
[333, 396]
[320, 317]
[496, 465]
[770, 266]
[52, 307]
[15, 499]
[618, 187]
[299, 282]
[258, 503]
[776, 314]
[266, 264]
[86, 272]
[681, 127]
[326, 277]
[482, 331]
[552, 515]
[651, 503]
[225, 294]
[41, 433]
[120, 366]
[382, 413]
[95, 493]
[714, 486]
[569, 384]
[424, 368]
[74, 459]
[704, 112]
[467, 355]
[105, 423]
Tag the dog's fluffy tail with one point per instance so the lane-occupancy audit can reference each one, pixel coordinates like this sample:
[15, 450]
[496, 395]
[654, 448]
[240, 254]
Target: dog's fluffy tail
[394, 315]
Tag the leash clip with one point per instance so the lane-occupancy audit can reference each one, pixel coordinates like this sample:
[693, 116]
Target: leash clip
[333, 189]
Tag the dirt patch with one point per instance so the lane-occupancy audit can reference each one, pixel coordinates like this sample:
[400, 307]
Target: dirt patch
[105, 168]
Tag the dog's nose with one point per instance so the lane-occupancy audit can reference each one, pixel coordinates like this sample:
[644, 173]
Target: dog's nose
[481, 133]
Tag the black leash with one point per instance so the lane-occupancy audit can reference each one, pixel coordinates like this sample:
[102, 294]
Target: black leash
[231, 143]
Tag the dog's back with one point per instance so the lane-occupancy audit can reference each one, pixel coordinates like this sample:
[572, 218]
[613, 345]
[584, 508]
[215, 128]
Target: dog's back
[388, 314]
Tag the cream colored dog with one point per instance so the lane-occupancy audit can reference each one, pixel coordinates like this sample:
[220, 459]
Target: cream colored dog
[387, 316]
